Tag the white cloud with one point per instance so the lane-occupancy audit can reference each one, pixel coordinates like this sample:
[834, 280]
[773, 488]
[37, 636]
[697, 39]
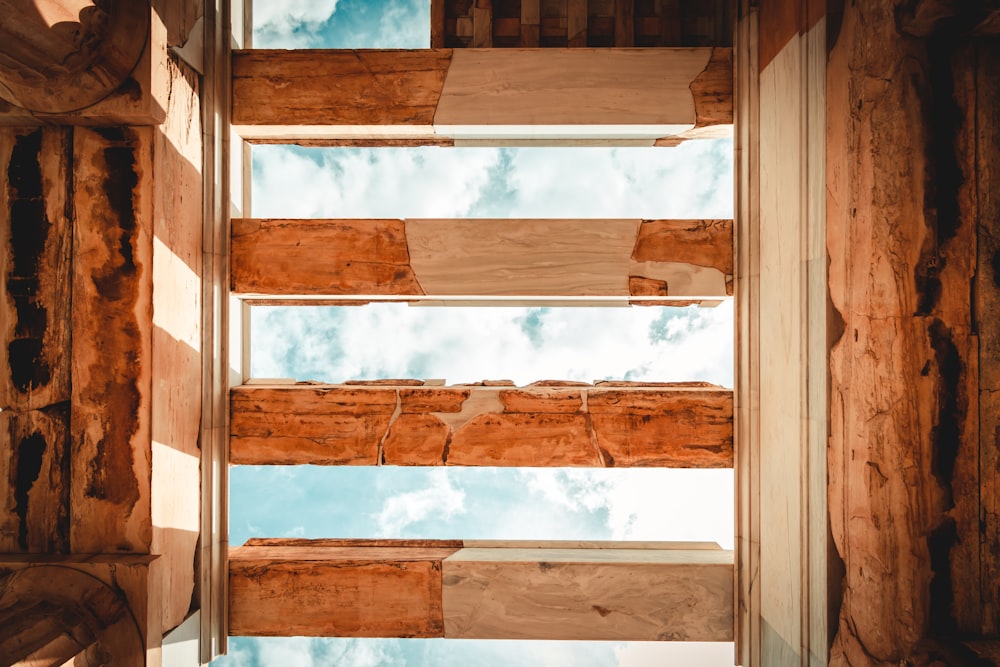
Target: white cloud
[472, 344]
[674, 504]
[310, 652]
[691, 180]
[640, 504]
[440, 500]
[359, 183]
[289, 23]
[573, 489]
[360, 653]
[290, 652]
[403, 26]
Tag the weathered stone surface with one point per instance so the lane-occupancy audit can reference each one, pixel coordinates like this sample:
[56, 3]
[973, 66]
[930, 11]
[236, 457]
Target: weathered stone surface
[639, 286]
[482, 544]
[616, 87]
[713, 91]
[385, 383]
[35, 246]
[425, 96]
[482, 426]
[336, 591]
[523, 439]
[527, 590]
[328, 425]
[501, 257]
[987, 326]
[483, 257]
[136, 95]
[352, 88]
[578, 23]
[35, 480]
[707, 244]
[112, 326]
[559, 383]
[416, 439]
[433, 399]
[533, 400]
[633, 427]
[903, 367]
[333, 257]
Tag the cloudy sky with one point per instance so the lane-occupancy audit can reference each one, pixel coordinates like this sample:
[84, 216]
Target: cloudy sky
[463, 345]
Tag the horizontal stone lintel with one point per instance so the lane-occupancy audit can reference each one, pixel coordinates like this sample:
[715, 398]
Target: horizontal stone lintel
[445, 95]
[535, 426]
[439, 588]
[648, 261]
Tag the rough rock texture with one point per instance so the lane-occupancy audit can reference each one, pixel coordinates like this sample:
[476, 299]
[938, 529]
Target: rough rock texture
[684, 427]
[986, 471]
[905, 363]
[336, 591]
[296, 88]
[112, 320]
[36, 211]
[333, 257]
[34, 508]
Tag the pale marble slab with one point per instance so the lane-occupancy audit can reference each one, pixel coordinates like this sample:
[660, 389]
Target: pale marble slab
[522, 257]
[608, 594]
[534, 87]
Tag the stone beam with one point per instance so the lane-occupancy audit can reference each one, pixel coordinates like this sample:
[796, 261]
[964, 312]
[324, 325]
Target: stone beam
[510, 258]
[589, 426]
[35, 248]
[441, 96]
[446, 588]
[75, 218]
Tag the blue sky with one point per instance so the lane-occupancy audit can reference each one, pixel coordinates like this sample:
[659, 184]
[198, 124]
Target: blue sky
[341, 24]
[690, 180]
[459, 344]
[462, 345]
